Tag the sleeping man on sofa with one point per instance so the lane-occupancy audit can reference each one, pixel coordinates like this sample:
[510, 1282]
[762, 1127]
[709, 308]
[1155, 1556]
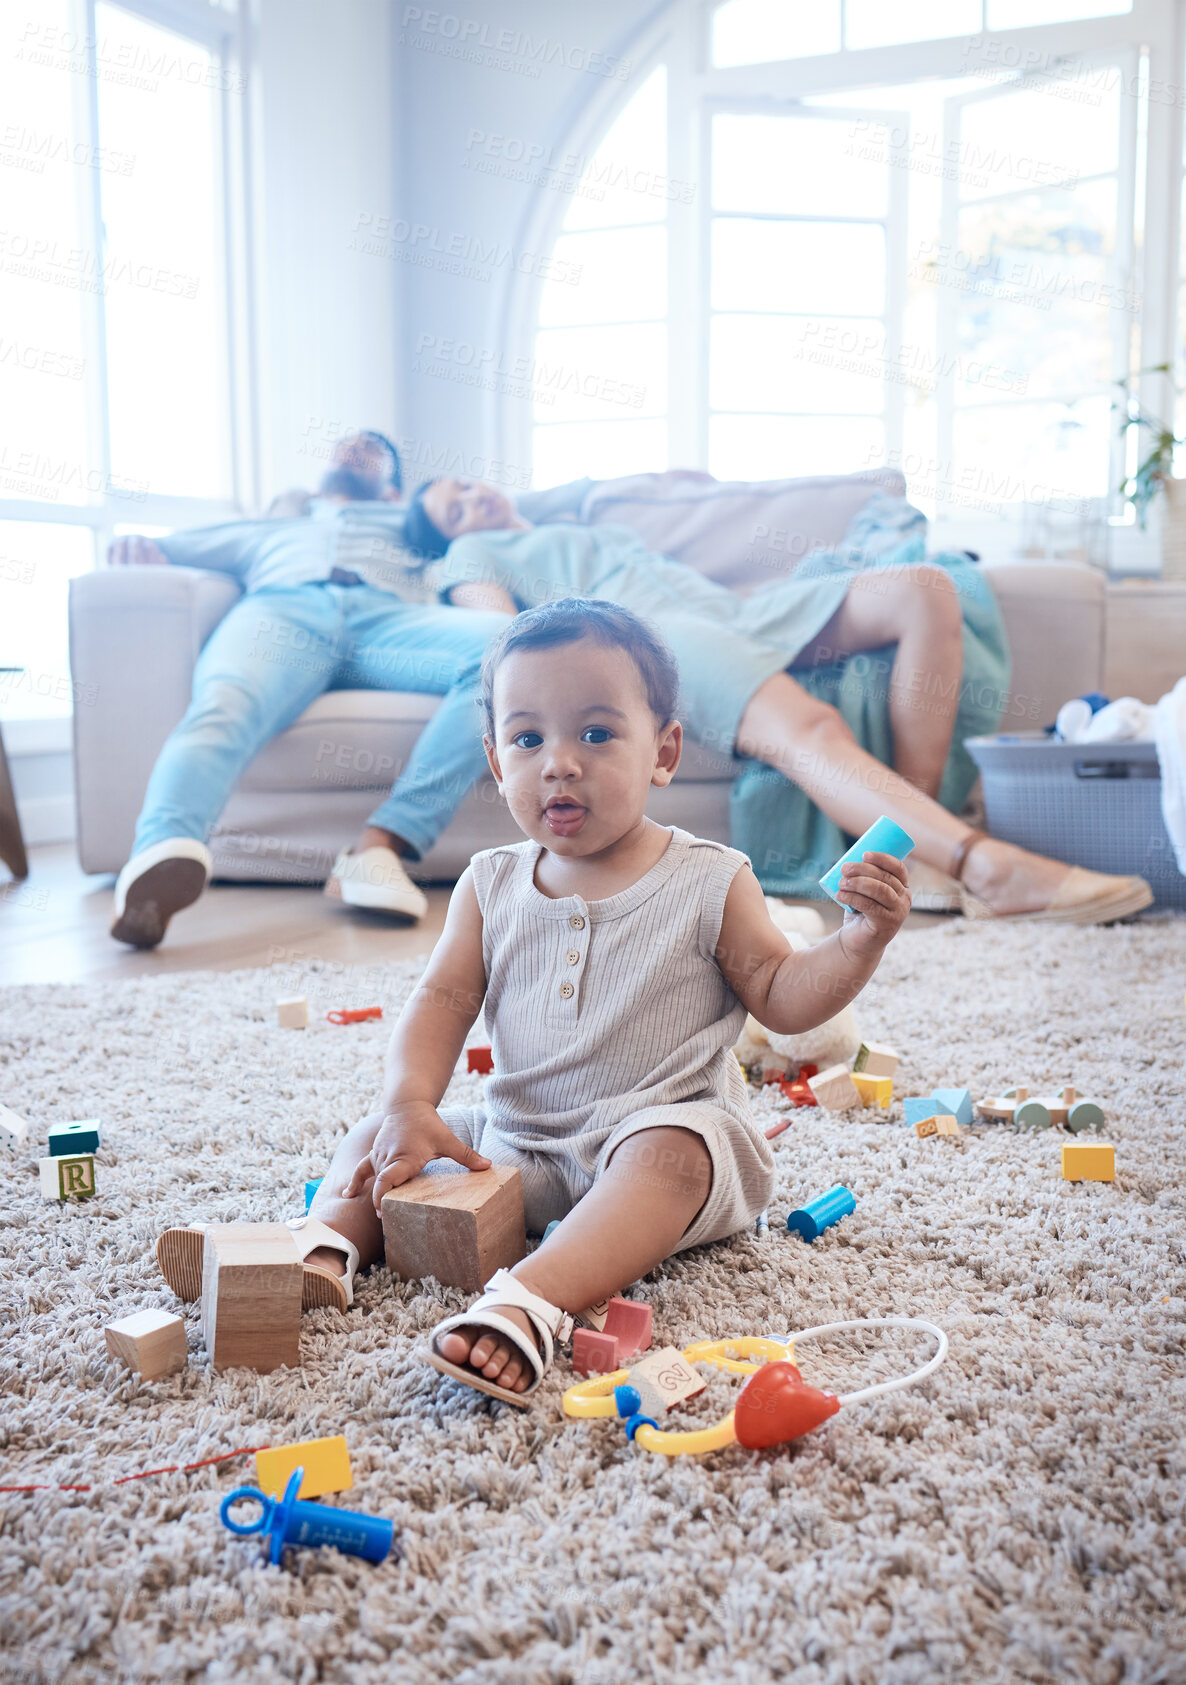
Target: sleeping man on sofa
[337, 597]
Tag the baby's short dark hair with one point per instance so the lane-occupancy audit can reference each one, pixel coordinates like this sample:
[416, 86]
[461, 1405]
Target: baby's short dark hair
[569, 620]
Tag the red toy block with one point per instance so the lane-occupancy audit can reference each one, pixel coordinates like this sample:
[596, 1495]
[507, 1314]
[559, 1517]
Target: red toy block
[479, 1059]
[629, 1321]
[594, 1353]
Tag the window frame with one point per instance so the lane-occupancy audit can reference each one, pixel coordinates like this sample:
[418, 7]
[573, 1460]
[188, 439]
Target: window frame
[681, 40]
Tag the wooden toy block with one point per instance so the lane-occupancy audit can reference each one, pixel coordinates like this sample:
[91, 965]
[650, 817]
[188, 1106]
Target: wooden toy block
[918, 1107]
[957, 1101]
[326, 1463]
[67, 1177]
[479, 1059]
[68, 1140]
[457, 1228]
[629, 1321]
[940, 1124]
[251, 1296]
[293, 1013]
[874, 1091]
[664, 1379]
[594, 1353]
[875, 1059]
[835, 1089]
[14, 1124]
[1089, 1161]
[150, 1342]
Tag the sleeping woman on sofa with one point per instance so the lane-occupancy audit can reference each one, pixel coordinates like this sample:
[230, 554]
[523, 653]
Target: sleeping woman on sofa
[849, 687]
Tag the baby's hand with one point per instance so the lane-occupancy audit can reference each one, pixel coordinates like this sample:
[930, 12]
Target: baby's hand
[874, 891]
[409, 1137]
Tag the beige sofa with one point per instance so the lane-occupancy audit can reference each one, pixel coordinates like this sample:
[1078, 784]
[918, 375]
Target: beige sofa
[135, 635]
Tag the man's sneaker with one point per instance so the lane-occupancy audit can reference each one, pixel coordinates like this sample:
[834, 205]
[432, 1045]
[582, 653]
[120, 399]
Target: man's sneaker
[154, 885]
[376, 880]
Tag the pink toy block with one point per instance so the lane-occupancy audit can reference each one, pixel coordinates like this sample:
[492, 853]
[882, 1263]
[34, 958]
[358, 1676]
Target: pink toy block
[629, 1321]
[594, 1353]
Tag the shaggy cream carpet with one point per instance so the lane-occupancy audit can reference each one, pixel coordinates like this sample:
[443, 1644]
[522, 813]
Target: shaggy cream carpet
[1018, 1518]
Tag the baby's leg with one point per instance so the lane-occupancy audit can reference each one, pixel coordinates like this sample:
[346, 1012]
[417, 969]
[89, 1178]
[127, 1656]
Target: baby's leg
[355, 1218]
[632, 1218]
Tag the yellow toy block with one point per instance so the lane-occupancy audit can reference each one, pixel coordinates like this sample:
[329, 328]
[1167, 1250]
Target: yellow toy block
[874, 1091]
[1089, 1161]
[326, 1463]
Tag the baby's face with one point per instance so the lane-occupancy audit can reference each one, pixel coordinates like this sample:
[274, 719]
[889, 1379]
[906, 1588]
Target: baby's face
[576, 746]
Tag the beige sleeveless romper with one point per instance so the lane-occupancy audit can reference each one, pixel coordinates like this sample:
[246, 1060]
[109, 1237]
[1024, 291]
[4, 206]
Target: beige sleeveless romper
[611, 1017]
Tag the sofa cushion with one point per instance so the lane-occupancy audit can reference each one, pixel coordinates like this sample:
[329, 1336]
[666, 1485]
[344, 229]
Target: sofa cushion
[361, 740]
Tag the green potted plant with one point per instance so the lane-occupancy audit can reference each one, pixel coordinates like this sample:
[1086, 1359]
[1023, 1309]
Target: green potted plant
[1155, 472]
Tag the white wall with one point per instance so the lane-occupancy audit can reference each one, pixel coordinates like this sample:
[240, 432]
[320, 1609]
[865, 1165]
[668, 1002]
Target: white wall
[325, 148]
[446, 88]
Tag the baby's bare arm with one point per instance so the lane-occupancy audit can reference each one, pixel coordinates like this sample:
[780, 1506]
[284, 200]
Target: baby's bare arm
[790, 993]
[422, 1053]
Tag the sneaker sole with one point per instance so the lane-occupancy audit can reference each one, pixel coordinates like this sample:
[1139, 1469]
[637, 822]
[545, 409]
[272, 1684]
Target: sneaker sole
[153, 899]
[179, 1252]
[372, 898]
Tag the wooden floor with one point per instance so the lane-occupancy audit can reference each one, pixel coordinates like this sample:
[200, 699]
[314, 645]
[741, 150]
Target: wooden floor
[53, 928]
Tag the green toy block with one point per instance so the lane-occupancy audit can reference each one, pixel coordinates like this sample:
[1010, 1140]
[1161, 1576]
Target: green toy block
[70, 1139]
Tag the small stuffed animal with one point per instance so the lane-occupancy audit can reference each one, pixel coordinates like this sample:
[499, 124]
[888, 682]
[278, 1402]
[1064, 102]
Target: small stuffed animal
[833, 1042]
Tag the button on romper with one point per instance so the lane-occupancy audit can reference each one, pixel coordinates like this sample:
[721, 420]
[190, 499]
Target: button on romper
[611, 1017]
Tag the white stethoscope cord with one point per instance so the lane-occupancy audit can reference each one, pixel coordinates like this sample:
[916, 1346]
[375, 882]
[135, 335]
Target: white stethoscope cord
[879, 1387]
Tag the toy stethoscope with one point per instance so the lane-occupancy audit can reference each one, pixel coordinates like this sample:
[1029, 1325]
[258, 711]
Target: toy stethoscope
[775, 1405]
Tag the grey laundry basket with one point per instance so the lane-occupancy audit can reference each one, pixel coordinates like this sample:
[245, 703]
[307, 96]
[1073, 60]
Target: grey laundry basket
[1096, 805]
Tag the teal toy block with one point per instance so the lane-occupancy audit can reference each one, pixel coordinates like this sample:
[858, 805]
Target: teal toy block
[918, 1110]
[311, 1190]
[66, 1140]
[957, 1102]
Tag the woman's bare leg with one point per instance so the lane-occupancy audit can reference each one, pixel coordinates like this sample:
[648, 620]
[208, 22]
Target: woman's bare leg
[809, 743]
[918, 609]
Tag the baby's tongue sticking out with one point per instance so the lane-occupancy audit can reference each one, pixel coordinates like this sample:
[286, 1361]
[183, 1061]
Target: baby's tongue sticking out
[564, 819]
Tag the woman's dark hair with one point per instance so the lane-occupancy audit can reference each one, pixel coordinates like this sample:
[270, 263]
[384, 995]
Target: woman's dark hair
[569, 620]
[422, 536]
[396, 476]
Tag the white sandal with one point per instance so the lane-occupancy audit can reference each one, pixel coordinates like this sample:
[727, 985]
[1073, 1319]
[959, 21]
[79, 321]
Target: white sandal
[550, 1323]
[179, 1253]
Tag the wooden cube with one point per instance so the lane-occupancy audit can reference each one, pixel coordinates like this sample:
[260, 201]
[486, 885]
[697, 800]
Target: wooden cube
[251, 1296]
[874, 1091]
[875, 1059]
[941, 1123]
[67, 1177]
[326, 1463]
[68, 1140]
[1089, 1161]
[835, 1089]
[457, 1228]
[293, 1014]
[594, 1353]
[151, 1342]
[14, 1124]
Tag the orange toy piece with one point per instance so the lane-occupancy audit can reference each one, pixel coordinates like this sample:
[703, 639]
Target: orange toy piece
[355, 1015]
[796, 1089]
[479, 1059]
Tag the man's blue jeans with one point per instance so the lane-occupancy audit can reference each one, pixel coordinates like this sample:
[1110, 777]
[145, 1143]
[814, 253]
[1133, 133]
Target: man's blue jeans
[279, 649]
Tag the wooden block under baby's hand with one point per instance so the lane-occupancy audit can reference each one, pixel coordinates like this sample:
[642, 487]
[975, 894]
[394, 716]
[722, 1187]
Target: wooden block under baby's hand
[251, 1296]
[458, 1228]
[150, 1342]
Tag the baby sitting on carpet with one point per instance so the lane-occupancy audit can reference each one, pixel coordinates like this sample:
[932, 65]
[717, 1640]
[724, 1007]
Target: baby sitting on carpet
[616, 959]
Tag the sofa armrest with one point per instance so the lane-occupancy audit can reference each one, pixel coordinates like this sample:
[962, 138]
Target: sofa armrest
[1054, 615]
[135, 634]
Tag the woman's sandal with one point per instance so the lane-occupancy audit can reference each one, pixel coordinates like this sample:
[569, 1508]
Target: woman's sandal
[1082, 897]
[550, 1323]
[179, 1252]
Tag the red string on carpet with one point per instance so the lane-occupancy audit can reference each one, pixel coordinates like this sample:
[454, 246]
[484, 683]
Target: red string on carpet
[173, 1468]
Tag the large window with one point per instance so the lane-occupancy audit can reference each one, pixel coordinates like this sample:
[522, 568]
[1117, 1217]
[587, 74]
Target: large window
[116, 301]
[935, 234]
